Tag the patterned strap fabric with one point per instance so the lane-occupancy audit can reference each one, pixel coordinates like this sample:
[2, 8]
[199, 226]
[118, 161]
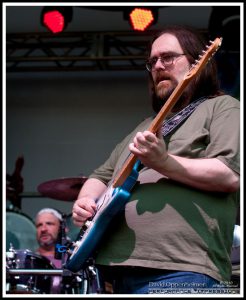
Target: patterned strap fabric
[170, 124]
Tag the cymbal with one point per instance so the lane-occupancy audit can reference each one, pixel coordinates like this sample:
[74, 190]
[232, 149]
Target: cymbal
[65, 189]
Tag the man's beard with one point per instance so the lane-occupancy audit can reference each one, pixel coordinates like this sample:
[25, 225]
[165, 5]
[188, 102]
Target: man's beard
[161, 95]
[46, 244]
[52, 241]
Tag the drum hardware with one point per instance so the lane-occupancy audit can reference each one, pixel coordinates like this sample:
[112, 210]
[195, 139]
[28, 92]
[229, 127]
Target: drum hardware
[27, 280]
[18, 223]
[54, 272]
[94, 282]
[27, 272]
[64, 189]
[85, 282]
[91, 279]
[14, 183]
[72, 283]
[10, 255]
[75, 283]
[91, 282]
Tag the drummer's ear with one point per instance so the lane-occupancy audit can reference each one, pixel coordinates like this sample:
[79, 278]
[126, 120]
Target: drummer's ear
[66, 229]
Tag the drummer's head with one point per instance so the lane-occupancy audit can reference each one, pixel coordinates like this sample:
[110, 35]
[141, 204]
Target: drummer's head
[47, 221]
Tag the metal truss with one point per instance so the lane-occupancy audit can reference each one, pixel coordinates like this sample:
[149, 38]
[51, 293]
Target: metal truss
[77, 51]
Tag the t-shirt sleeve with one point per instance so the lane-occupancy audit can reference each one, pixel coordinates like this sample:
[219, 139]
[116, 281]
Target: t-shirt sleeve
[225, 134]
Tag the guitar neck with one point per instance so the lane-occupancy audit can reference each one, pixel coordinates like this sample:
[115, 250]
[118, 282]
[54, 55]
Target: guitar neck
[155, 125]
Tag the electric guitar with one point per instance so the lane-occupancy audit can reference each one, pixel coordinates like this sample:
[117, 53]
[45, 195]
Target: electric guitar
[118, 193]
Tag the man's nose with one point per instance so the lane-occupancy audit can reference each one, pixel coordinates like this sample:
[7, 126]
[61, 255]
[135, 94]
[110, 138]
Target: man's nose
[44, 227]
[159, 65]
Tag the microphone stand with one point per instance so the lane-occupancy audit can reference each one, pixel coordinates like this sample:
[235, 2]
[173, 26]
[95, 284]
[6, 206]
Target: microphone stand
[63, 238]
[70, 281]
[60, 248]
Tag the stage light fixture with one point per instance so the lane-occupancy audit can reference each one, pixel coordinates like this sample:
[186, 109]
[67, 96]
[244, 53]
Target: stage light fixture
[141, 18]
[55, 19]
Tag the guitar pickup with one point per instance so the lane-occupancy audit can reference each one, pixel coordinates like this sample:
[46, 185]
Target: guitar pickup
[84, 227]
[87, 223]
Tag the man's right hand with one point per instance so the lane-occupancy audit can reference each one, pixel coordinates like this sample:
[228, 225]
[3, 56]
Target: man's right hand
[85, 206]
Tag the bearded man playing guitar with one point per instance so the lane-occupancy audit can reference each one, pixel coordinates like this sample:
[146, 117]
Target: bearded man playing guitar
[175, 231]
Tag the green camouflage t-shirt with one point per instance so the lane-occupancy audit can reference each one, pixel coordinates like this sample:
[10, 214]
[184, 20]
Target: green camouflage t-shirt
[169, 225]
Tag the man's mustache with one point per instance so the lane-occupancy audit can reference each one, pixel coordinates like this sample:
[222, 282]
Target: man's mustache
[45, 234]
[162, 76]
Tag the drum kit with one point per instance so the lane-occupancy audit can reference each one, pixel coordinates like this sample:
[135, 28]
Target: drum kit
[30, 273]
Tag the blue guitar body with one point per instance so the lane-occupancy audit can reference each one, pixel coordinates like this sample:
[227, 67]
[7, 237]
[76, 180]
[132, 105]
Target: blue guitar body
[109, 204]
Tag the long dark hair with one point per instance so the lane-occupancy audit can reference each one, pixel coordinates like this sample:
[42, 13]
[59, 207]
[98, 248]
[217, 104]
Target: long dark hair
[193, 43]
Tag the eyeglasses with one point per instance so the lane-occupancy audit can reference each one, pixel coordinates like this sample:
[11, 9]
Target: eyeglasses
[166, 60]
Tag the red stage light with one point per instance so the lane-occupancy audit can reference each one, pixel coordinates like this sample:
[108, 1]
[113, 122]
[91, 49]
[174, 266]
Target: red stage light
[141, 18]
[56, 18]
[54, 21]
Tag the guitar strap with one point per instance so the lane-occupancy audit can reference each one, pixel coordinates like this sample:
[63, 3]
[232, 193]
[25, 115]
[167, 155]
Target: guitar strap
[170, 124]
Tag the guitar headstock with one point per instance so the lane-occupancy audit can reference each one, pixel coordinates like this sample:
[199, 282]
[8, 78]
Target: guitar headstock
[204, 57]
